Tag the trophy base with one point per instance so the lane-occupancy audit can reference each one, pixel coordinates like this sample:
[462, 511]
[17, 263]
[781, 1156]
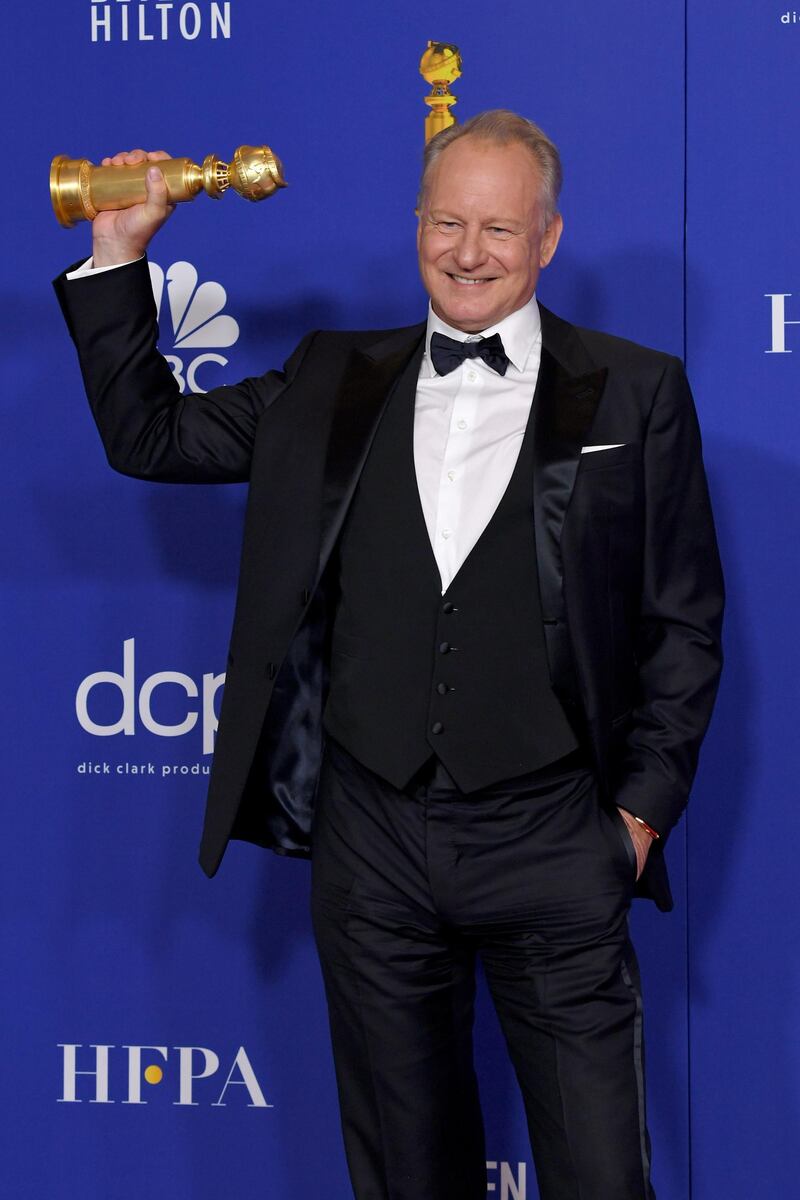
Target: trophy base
[67, 188]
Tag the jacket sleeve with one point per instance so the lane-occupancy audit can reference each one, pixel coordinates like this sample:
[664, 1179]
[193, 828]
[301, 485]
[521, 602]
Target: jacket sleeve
[148, 428]
[678, 641]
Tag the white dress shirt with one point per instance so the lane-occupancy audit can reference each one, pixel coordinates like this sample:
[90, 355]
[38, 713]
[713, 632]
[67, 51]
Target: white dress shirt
[88, 268]
[468, 430]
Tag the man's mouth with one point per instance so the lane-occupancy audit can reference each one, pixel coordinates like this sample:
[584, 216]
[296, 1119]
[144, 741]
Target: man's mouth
[464, 279]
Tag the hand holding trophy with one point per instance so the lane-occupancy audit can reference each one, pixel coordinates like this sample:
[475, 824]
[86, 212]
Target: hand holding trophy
[128, 198]
[123, 235]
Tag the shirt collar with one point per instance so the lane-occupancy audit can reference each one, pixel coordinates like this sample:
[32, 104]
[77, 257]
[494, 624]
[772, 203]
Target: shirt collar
[520, 332]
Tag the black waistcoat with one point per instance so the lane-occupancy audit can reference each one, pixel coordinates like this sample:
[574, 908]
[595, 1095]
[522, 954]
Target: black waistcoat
[413, 672]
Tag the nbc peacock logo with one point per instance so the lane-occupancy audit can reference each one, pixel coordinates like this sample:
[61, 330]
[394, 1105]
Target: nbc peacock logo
[198, 322]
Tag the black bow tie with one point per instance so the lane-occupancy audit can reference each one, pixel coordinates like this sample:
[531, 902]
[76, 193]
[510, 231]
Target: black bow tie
[447, 353]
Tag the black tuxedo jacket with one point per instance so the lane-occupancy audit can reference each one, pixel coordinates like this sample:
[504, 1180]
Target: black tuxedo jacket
[630, 580]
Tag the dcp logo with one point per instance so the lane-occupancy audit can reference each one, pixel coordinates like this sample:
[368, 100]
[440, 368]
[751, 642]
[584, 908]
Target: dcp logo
[198, 321]
[126, 685]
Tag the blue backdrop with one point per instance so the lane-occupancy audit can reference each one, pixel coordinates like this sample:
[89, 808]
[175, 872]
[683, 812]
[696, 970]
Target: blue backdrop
[166, 1035]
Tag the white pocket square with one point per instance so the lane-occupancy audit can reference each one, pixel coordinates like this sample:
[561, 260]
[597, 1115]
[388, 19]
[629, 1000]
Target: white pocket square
[594, 449]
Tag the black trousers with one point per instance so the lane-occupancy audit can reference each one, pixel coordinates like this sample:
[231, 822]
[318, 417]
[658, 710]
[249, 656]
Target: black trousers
[408, 888]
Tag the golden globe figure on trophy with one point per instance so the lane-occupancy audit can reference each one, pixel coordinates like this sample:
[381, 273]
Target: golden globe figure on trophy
[440, 66]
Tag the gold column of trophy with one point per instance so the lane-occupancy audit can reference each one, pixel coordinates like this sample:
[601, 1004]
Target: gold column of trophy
[79, 190]
[440, 66]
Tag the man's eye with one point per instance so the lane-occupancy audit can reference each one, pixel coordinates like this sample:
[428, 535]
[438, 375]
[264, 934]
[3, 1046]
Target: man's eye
[499, 231]
[446, 226]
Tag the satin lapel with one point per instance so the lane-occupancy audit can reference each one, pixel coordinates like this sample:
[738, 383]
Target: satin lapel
[369, 383]
[564, 408]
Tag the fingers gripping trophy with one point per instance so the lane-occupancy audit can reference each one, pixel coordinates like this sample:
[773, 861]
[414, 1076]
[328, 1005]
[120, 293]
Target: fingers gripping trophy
[123, 235]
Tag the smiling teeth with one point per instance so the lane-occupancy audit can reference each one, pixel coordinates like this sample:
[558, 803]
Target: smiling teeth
[463, 279]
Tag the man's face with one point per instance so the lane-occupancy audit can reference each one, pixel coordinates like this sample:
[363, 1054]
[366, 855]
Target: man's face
[479, 236]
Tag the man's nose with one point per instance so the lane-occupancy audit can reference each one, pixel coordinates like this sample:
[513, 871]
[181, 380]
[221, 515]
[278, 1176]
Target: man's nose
[469, 250]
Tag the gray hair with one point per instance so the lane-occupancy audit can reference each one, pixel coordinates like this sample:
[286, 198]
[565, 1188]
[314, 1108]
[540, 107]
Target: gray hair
[502, 128]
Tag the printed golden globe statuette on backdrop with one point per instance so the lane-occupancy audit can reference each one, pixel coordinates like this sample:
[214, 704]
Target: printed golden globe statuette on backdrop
[79, 190]
[440, 66]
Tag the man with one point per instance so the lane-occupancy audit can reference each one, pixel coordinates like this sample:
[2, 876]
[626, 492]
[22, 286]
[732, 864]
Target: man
[476, 642]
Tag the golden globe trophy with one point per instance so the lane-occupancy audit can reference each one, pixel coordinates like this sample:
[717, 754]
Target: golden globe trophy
[79, 190]
[440, 66]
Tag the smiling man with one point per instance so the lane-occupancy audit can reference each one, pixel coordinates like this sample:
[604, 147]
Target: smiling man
[476, 648]
[487, 227]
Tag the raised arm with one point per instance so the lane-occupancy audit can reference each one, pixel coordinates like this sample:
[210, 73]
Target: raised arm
[149, 429]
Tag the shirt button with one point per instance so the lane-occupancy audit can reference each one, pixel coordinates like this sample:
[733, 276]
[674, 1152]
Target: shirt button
[451, 475]
[446, 533]
[444, 647]
[471, 376]
[462, 424]
[437, 727]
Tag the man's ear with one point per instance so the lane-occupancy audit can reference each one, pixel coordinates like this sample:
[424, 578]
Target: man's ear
[550, 240]
[419, 213]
